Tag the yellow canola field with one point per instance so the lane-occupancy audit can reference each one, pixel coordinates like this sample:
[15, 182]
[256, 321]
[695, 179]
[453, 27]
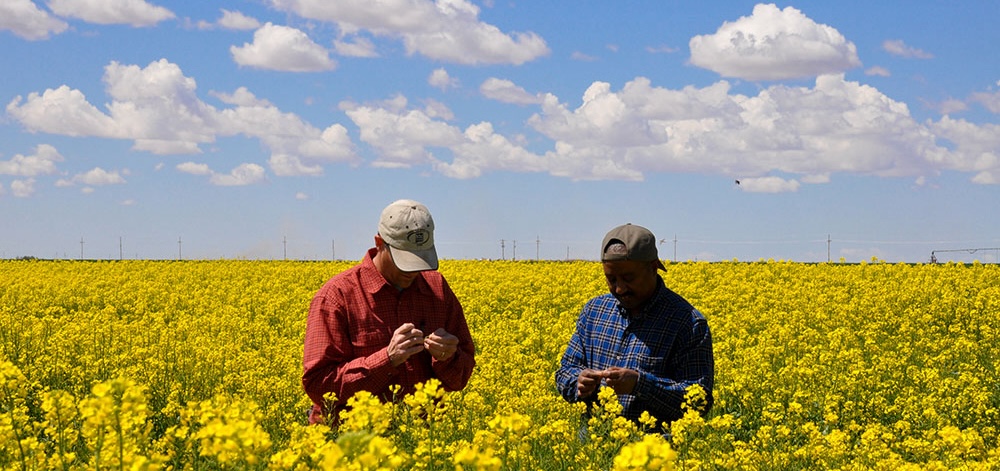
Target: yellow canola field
[196, 365]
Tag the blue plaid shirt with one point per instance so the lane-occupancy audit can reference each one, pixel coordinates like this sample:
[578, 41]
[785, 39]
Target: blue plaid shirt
[667, 341]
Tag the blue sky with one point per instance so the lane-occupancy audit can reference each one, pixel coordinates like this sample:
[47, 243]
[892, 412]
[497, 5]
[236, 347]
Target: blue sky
[273, 129]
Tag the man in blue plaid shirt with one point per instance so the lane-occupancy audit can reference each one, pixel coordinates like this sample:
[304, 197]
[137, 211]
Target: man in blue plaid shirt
[641, 339]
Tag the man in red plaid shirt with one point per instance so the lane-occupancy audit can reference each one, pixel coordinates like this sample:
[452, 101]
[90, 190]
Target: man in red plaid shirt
[390, 320]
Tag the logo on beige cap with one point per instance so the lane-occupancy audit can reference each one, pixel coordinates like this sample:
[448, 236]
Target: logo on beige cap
[418, 237]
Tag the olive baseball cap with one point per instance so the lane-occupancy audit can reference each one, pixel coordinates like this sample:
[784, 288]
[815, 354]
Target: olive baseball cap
[640, 245]
[407, 228]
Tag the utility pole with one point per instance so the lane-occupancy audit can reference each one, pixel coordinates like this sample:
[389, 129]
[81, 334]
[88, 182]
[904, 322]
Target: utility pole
[81, 248]
[121, 251]
[179, 257]
[333, 249]
[828, 248]
[513, 251]
[503, 253]
[538, 243]
[284, 253]
[675, 247]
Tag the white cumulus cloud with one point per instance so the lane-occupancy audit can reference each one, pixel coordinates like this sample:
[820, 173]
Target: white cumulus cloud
[158, 108]
[439, 78]
[241, 175]
[62, 111]
[288, 165]
[194, 168]
[26, 20]
[131, 12]
[407, 137]
[356, 47]
[22, 188]
[244, 174]
[241, 97]
[977, 148]
[482, 149]
[769, 184]
[96, 176]
[878, 71]
[441, 30]
[989, 100]
[277, 47]
[507, 92]
[402, 138]
[237, 21]
[774, 44]
[42, 162]
[807, 135]
[835, 127]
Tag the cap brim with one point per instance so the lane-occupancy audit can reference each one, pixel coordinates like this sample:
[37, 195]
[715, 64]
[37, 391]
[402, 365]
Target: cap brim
[414, 261]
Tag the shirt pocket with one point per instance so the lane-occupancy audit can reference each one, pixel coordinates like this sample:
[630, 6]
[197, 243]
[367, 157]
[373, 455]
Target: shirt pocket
[370, 341]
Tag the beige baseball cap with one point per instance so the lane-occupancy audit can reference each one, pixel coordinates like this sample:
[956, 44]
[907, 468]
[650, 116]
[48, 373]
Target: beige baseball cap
[407, 228]
[640, 245]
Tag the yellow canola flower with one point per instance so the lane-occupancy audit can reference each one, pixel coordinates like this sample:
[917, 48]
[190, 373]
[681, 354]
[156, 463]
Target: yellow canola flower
[651, 453]
[308, 448]
[18, 443]
[471, 458]
[695, 398]
[61, 425]
[114, 425]
[512, 426]
[426, 399]
[819, 366]
[228, 430]
[365, 412]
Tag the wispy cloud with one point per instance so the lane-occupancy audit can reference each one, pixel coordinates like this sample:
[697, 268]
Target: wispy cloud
[897, 47]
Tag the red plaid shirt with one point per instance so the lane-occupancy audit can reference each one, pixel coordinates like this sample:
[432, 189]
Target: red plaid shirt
[351, 320]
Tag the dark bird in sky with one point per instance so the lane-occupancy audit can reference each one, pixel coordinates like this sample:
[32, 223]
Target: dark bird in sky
[737, 182]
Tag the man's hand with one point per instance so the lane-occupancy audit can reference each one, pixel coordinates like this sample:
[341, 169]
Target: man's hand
[622, 380]
[441, 345]
[587, 382]
[406, 341]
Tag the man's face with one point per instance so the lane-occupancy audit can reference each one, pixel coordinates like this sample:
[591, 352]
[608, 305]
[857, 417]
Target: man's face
[395, 276]
[399, 278]
[632, 283]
